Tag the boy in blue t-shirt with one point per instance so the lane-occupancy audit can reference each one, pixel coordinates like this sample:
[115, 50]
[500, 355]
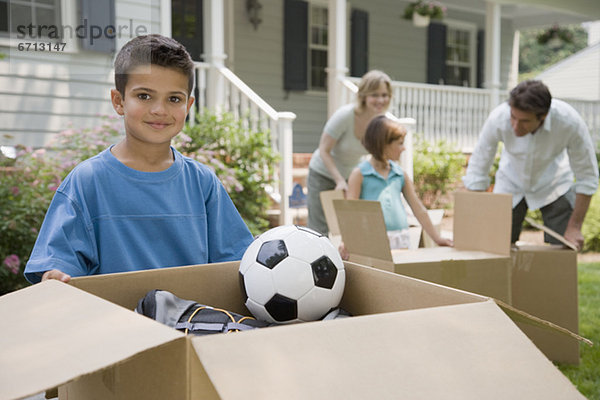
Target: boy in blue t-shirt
[140, 204]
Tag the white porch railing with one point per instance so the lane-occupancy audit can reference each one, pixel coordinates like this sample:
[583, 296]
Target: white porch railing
[244, 104]
[456, 114]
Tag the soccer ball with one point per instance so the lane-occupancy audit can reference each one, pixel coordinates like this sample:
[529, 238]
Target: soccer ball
[291, 274]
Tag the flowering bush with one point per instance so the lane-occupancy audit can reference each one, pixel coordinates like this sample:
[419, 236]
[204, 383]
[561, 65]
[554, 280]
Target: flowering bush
[555, 33]
[433, 9]
[245, 159]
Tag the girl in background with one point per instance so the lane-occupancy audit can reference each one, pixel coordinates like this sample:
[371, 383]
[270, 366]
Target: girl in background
[381, 178]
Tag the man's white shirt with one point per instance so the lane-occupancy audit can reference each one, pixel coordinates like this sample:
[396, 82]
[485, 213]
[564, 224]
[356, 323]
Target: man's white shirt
[540, 167]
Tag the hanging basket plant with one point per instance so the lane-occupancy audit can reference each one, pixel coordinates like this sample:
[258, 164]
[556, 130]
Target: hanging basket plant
[428, 9]
[555, 36]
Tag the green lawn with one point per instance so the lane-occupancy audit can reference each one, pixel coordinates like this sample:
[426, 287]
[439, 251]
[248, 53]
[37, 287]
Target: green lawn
[586, 376]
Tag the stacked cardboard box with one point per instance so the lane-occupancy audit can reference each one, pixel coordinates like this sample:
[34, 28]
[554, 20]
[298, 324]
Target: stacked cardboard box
[408, 339]
[541, 280]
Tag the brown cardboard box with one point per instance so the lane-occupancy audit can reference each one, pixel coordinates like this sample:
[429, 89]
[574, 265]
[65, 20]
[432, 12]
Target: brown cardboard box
[416, 233]
[408, 338]
[478, 262]
[540, 280]
[544, 283]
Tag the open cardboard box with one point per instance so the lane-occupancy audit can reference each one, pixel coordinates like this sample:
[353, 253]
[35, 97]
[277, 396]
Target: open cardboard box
[544, 283]
[408, 339]
[417, 235]
[479, 262]
[540, 280]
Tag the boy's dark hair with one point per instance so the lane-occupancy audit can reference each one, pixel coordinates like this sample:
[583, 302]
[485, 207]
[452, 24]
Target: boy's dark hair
[152, 50]
[380, 132]
[531, 96]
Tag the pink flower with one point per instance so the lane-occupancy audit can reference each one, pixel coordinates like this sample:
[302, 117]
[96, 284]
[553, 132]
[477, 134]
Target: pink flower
[14, 190]
[13, 263]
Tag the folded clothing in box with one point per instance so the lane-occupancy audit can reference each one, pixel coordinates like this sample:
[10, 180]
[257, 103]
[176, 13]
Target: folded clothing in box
[199, 319]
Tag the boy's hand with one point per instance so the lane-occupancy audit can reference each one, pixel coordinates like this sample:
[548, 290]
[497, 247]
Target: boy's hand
[56, 274]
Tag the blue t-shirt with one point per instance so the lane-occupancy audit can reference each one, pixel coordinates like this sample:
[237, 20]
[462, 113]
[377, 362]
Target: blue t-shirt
[387, 191]
[106, 217]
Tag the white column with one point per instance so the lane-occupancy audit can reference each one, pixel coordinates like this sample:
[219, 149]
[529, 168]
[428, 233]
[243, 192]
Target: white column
[513, 76]
[285, 132]
[165, 18]
[492, 51]
[214, 53]
[336, 54]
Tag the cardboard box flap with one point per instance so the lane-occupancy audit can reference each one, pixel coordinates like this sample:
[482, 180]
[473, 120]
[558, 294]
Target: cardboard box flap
[440, 254]
[127, 288]
[482, 221]
[468, 351]
[552, 233]
[66, 333]
[327, 197]
[363, 228]
[520, 316]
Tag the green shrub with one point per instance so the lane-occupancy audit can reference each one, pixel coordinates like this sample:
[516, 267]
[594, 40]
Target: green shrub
[438, 168]
[591, 226]
[248, 154]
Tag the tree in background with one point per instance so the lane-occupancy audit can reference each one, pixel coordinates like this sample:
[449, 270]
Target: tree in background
[535, 55]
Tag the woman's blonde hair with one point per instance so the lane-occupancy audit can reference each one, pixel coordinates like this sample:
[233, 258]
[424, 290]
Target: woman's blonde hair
[369, 83]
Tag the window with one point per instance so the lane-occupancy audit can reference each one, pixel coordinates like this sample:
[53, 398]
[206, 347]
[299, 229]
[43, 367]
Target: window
[30, 14]
[187, 25]
[306, 37]
[461, 56]
[317, 45]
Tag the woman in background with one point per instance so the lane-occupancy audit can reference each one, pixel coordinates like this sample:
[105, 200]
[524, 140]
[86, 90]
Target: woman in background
[340, 148]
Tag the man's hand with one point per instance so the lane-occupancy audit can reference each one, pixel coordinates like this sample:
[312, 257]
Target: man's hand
[574, 236]
[56, 274]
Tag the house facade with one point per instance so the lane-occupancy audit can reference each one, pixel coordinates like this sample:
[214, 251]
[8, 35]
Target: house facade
[282, 49]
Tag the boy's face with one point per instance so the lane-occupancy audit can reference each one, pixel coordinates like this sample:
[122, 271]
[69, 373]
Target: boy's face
[154, 105]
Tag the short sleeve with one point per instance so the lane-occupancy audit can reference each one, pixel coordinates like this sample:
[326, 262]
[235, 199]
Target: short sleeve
[340, 122]
[64, 242]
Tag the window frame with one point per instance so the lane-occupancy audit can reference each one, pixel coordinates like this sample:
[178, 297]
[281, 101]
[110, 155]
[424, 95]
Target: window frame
[311, 46]
[67, 16]
[471, 29]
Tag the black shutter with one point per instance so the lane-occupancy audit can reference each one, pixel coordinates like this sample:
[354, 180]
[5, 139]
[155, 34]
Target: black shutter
[295, 45]
[480, 57]
[359, 42]
[96, 28]
[436, 53]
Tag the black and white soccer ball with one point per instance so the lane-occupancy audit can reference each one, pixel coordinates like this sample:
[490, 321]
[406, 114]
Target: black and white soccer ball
[291, 274]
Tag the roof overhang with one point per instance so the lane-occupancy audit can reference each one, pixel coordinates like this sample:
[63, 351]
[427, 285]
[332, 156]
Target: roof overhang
[537, 13]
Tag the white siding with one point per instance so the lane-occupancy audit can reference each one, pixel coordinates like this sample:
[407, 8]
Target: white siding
[576, 77]
[42, 93]
[395, 46]
[258, 56]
